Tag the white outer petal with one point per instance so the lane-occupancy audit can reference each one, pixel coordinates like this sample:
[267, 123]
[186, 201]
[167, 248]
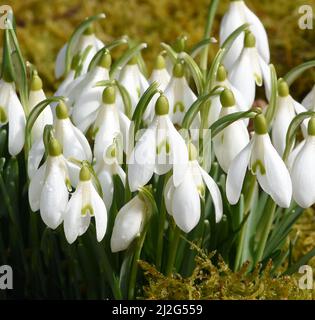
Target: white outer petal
[277, 175]
[45, 116]
[100, 214]
[233, 19]
[303, 174]
[60, 61]
[260, 33]
[128, 224]
[283, 117]
[241, 77]
[35, 187]
[179, 154]
[215, 194]
[17, 123]
[35, 156]
[230, 141]
[309, 100]
[72, 216]
[236, 174]
[141, 162]
[54, 196]
[186, 204]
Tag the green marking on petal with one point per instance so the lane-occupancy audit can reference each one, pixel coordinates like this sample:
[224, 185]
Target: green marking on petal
[179, 106]
[201, 190]
[3, 115]
[258, 79]
[167, 147]
[164, 144]
[68, 184]
[258, 165]
[87, 210]
[138, 92]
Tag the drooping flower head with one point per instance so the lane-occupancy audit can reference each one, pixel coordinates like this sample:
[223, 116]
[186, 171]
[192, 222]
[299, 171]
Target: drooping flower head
[264, 162]
[159, 149]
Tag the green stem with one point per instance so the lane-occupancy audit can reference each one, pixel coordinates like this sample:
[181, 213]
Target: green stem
[134, 267]
[270, 210]
[172, 251]
[159, 251]
[210, 18]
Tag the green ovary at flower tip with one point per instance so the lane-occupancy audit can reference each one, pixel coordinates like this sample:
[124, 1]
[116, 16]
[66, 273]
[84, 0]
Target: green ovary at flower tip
[108, 203]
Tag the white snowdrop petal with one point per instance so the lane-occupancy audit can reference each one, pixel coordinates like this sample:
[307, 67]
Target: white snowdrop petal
[260, 33]
[73, 216]
[100, 214]
[186, 204]
[54, 196]
[35, 187]
[236, 174]
[142, 159]
[277, 175]
[128, 224]
[215, 194]
[303, 175]
[17, 124]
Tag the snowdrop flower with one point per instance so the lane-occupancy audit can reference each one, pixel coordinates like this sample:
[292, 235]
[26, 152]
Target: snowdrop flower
[238, 14]
[159, 149]
[179, 94]
[37, 95]
[69, 83]
[72, 140]
[286, 110]
[231, 140]
[302, 171]
[162, 77]
[12, 113]
[88, 97]
[84, 204]
[134, 81]
[265, 163]
[87, 39]
[183, 201]
[106, 169]
[250, 69]
[48, 190]
[110, 124]
[309, 100]
[215, 108]
[128, 224]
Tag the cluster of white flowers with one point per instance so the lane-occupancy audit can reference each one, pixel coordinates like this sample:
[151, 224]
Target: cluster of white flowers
[91, 136]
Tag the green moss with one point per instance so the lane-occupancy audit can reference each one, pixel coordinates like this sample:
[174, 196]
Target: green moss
[212, 282]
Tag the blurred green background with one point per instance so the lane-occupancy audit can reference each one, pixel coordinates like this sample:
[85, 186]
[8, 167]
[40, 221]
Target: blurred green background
[43, 27]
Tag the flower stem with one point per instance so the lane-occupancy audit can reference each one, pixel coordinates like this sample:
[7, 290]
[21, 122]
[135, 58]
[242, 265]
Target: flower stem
[270, 210]
[162, 217]
[172, 251]
[210, 18]
[134, 267]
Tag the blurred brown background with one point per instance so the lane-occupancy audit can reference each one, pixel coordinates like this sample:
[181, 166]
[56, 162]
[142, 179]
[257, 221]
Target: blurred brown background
[43, 27]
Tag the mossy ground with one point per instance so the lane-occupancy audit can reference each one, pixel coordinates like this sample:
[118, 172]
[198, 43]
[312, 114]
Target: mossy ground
[43, 27]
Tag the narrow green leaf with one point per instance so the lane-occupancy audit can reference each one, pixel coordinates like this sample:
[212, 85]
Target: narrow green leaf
[293, 74]
[195, 108]
[75, 36]
[291, 133]
[273, 98]
[95, 60]
[225, 121]
[301, 262]
[123, 60]
[194, 69]
[170, 52]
